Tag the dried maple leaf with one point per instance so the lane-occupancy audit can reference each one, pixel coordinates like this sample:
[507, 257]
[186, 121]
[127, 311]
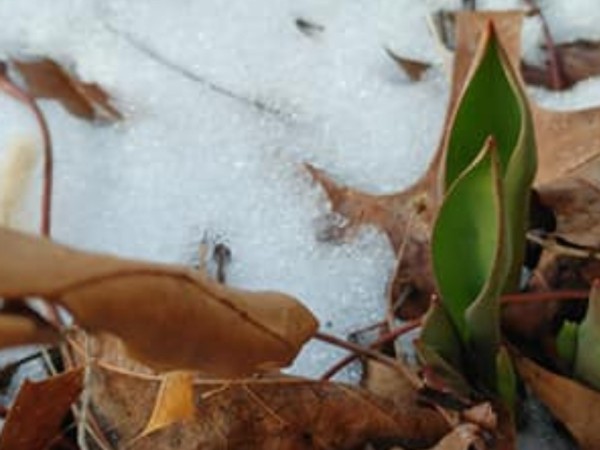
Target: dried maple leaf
[169, 317]
[573, 404]
[270, 413]
[34, 420]
[566, 141]
[45, 78]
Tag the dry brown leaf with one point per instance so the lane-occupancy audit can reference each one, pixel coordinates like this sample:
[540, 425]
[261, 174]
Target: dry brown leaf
[33, 422]
[174, 402]
[47, 79]
[385, 382]
[411, 67]
[575, 405]
[270, 413]
[16, 330]
[170, 317]
[463, 437]
[566, 142]
[579, 60]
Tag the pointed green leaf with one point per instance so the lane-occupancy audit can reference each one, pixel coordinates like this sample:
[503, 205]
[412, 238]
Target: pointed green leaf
[587, 362]
[506, 384]
[566, 344]
[468, 246]
[493, 103]
[440, 335]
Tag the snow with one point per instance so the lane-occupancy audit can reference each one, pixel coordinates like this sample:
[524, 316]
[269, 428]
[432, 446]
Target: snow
[223, 104]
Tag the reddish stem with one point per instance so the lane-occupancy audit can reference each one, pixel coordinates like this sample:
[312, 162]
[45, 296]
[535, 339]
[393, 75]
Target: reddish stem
[19, 94]
[387, 337]
[525, 297]
[47, 184]
[555, 66]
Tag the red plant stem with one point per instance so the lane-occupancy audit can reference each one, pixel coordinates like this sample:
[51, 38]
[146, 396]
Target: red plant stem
[46, 205]
[359, 350]
[526, 297]
[387, 337]
[368, 328]
[47, 184]
[555, 66]
[3, 411]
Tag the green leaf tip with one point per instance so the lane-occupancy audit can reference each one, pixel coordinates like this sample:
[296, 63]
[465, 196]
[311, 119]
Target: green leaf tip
[566, 345]
[492, 103]
[587, 355]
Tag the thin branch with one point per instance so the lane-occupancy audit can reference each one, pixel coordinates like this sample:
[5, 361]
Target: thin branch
[528, 297]
[387, 337]
[354, 348]
[555, 66]
[24, 97]
[561, 246]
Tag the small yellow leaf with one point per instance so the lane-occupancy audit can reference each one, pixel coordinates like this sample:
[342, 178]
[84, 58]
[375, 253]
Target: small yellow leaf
[174, 403]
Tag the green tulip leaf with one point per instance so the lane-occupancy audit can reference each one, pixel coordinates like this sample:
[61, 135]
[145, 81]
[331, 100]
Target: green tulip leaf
[506, 381]
[469, 251]
[587, 361]
[493, 103]
[566, 344]
[439, 334]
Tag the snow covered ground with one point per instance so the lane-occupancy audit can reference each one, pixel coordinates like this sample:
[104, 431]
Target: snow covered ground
[223, 104]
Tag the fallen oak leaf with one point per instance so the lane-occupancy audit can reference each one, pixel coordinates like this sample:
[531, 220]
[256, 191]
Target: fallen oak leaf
[155, 308]
[572, 403]
[45, 78]
[34, 420]
[260, 413]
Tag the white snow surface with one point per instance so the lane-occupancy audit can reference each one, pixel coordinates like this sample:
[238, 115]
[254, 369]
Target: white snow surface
[224, 102]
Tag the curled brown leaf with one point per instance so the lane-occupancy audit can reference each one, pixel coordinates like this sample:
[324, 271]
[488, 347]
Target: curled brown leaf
[169, 317]
[570, 402]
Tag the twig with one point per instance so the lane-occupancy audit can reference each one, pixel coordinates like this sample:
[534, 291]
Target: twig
[387, 337]
[527, 297]
[555, 66]
[20, 95]
[374, 326]
[85, 396]
[561, 246]
[357, 349]
[192, 76]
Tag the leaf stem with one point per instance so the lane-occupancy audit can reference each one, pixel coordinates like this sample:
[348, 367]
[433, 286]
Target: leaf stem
[556, 73]
[387, 337]
[526, 297]
[22, 96]
[369, 353]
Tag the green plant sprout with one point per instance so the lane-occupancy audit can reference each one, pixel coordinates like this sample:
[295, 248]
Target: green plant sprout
[478, 238]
